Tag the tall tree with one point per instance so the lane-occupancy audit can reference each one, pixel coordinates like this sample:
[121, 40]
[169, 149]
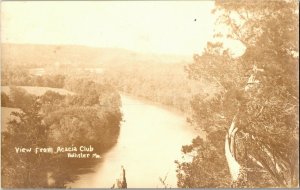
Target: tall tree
[256, 109]
[24, 170]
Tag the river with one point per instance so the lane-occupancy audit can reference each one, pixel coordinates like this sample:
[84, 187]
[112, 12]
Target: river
[150, 140]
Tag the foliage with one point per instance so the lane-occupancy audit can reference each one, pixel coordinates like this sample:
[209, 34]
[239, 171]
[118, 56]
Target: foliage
[90, 93]
[19, 98]
[259, 88]
[52, 120]
[162, 83]
[82, 126]
[5, 102]
[206, 170]
[24, 170]
[13, 75]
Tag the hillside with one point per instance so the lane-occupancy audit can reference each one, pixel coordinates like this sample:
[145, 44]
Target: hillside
[159, 78]
[33, 55]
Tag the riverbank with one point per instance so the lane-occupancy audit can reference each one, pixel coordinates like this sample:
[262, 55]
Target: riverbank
[150, 141]
[151, 102]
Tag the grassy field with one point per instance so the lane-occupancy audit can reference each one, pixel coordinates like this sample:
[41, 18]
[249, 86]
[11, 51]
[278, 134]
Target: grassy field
[38, 91]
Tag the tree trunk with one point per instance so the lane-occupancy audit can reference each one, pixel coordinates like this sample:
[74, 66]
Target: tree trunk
[238, 173]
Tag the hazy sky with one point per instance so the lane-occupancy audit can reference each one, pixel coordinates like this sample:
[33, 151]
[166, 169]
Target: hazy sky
[144, 26]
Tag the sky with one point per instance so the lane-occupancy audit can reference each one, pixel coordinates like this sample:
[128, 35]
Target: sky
[171, 27]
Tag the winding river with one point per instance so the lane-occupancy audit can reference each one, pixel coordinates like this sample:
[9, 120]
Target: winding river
[150, 140]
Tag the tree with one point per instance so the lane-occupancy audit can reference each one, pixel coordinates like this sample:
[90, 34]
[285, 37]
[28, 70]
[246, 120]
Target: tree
[20, 98]
[255, 110]
[24, 170]
[206, 170]
[51, 97]
[5, 102]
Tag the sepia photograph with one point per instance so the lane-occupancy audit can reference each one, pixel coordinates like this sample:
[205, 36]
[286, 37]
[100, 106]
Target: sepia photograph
[150, 94]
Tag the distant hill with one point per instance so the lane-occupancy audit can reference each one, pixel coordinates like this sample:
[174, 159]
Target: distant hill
[31, 55]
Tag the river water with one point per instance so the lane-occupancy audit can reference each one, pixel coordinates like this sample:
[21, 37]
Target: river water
[150, 140]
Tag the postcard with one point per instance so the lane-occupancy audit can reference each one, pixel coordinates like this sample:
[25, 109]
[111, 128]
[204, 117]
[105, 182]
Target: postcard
[150, 94]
